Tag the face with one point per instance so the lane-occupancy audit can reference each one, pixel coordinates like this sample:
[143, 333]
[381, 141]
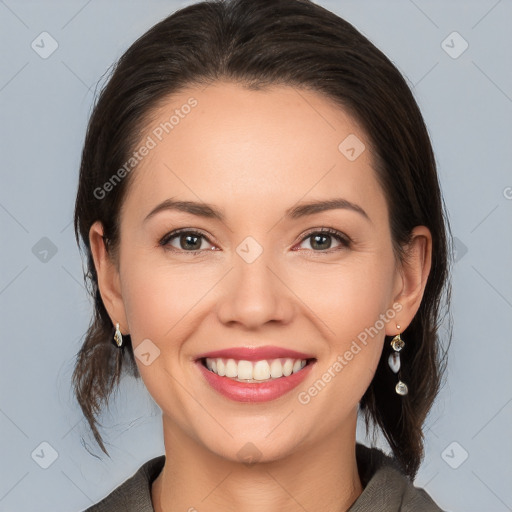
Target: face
[259, 272]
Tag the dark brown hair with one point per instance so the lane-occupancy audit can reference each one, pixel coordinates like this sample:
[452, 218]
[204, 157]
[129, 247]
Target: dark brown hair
[258, 43]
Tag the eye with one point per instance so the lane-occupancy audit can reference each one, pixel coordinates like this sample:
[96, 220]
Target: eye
[192, 241]
[321, 239]
[187, 240]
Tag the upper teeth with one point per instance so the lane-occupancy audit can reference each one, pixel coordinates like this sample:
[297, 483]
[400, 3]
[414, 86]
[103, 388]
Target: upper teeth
[254, 370]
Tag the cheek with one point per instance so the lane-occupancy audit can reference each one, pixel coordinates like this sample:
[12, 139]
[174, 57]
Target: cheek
[353, 311]
[159, 301]
[165, 303]
[348, 297]
[159, 296]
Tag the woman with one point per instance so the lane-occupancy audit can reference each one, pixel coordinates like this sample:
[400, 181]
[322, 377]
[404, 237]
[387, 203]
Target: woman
[267, 249]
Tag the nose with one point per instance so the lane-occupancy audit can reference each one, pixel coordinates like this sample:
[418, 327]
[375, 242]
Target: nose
[254, 293]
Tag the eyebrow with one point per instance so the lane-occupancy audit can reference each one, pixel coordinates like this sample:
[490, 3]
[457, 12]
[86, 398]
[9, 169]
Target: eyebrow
[302, 210]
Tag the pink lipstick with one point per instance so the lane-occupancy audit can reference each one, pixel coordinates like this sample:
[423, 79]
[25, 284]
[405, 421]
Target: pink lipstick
[256, 374]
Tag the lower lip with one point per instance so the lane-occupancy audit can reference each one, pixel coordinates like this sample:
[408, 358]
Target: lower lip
[252, 391]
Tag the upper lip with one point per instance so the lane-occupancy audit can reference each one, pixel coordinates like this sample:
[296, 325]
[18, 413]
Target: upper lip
[255, 353]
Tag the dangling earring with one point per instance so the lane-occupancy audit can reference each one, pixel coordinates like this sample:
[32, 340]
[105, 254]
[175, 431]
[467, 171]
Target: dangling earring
[394, 362]
[118, 337]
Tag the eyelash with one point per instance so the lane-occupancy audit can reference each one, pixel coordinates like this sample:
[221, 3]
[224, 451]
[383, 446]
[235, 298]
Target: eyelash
[342, 238]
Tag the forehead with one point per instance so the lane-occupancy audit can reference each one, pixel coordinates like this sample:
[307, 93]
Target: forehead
[273, 146]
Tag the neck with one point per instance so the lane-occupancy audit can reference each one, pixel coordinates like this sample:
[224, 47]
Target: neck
[196, 479]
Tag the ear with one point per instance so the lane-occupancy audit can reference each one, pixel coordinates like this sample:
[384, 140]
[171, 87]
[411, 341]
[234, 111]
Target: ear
[412, 278]
[108, 278]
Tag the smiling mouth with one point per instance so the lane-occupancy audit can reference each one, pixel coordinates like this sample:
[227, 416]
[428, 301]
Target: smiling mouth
[264, 370]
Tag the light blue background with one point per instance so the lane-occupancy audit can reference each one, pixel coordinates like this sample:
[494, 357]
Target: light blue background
[45, 104]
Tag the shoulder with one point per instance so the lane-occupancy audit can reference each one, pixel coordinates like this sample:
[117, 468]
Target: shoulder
[135, 493]
[386, 487]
